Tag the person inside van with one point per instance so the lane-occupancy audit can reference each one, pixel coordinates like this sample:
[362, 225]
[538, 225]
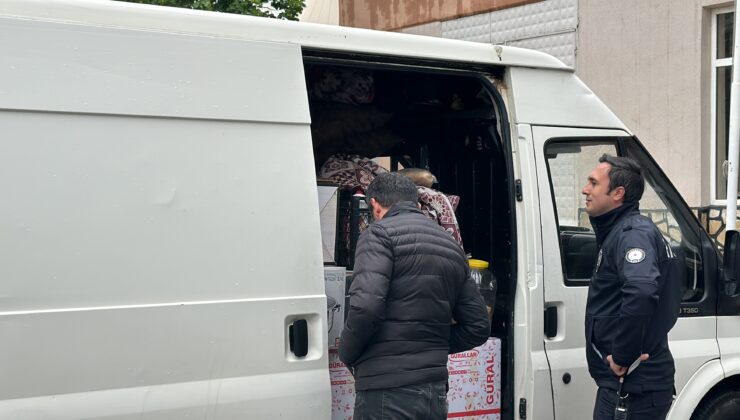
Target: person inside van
[411, 278]
[633, 298]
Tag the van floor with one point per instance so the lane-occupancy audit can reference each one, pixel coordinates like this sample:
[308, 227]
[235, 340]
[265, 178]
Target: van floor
[446, 123]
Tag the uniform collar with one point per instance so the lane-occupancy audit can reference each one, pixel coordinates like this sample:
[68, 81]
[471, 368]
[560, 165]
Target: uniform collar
[603, 224]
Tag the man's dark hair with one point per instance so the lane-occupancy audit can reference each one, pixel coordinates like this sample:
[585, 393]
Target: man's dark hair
[390, 188]
[625, 172]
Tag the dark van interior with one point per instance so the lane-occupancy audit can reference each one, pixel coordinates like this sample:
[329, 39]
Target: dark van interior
[448, 122]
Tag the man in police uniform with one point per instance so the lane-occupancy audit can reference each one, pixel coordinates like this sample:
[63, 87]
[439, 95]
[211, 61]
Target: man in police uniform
[633, 298]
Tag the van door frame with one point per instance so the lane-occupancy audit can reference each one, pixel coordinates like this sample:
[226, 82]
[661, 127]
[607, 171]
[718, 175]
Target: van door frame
[484, 74]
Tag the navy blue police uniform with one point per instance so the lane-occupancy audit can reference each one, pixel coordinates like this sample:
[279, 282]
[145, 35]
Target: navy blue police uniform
[633, 301]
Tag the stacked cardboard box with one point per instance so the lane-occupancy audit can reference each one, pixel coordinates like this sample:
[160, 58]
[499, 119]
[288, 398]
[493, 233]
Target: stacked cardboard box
[328, 193]
[334, 285]
[475, 384]
[342, 388]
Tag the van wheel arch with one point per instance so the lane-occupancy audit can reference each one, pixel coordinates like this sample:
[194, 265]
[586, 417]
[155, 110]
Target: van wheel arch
[722, 402]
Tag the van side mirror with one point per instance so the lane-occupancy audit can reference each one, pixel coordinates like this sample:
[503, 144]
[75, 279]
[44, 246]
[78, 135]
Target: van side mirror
[732, 262]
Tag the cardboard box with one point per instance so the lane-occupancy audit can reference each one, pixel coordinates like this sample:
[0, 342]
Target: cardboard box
[342, 389]
[334, 285]
[328, 196]
[475, 384]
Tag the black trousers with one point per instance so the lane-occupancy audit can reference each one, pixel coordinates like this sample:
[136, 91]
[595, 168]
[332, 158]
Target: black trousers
[647, 406]
[414, 402]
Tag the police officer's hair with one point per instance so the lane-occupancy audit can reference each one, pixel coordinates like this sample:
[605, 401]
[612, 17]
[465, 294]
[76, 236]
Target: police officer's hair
[625, 172]
[390, 188]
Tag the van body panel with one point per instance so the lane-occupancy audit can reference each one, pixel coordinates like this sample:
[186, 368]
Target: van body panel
[162, 361]
[688, 398]
[225, 399]
[155, 345]
[693, 342]
[226, 25]
[182, 210]
[729, 343]
[554, 98]
[157, 262]
[145, 73]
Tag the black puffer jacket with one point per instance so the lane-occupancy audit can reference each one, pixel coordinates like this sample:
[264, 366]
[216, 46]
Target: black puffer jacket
[411, 279]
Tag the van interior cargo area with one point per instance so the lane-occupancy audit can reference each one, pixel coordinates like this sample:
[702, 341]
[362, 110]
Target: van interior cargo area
[443, 121]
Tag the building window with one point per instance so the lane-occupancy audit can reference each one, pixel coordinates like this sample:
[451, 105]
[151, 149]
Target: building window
[722, 46]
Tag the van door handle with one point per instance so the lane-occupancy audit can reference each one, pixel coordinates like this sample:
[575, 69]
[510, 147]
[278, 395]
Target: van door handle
[551, 321]
[298, 337]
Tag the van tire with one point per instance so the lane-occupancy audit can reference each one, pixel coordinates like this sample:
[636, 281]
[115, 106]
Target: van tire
[724, 405]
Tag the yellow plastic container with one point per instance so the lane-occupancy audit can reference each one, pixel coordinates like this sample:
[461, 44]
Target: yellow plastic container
[485, 281]
[478, 264]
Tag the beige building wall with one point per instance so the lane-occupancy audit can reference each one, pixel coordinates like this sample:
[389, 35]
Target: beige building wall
[649, 60]
[396, 14]
[321, 11]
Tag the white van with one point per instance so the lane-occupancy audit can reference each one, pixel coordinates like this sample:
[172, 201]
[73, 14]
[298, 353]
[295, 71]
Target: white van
[160, 245]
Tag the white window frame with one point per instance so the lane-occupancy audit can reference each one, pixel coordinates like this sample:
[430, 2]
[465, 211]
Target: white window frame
[716, 63]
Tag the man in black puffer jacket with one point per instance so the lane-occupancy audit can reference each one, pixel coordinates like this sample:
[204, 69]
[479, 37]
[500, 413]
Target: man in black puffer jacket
[411, 279]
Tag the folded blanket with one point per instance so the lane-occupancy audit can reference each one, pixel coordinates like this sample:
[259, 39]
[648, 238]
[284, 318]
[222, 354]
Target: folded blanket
[441, 208]
[350, 171]
[355, 171]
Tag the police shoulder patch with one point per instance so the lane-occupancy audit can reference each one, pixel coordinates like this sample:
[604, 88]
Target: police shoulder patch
[635, 255]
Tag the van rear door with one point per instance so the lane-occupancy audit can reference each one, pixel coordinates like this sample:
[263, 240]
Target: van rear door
[159, 240]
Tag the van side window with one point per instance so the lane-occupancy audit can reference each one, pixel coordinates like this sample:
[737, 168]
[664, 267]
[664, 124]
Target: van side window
[569, 163]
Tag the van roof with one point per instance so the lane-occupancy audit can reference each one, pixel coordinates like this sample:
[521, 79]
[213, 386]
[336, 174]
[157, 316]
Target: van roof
[316, 36]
